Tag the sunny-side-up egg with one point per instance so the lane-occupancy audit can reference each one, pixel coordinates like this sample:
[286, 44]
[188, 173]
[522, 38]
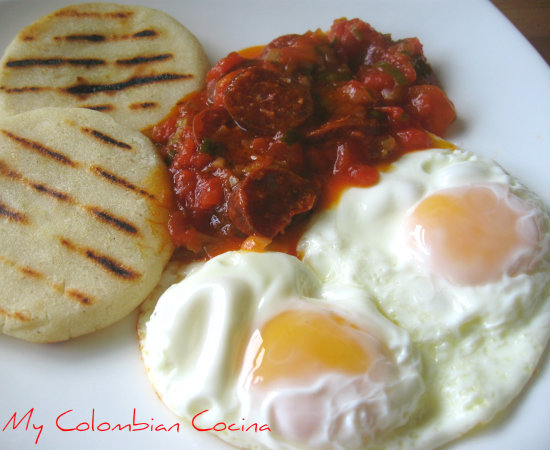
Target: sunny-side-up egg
[254, 338]
[457, 252]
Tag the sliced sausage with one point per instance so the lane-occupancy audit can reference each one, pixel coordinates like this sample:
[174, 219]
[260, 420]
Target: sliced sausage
[264, 101]
[342, 126]
[265, 202]
[208, 122]
[287, 40]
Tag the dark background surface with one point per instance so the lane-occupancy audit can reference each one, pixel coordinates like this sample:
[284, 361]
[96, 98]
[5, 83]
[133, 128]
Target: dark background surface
[532, 18]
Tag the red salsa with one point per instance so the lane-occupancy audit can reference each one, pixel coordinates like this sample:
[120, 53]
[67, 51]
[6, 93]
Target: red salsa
[280, 131]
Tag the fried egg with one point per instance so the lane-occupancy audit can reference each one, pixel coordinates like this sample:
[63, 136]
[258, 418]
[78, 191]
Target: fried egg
[455, 251]
[255, 338]
[445, 240]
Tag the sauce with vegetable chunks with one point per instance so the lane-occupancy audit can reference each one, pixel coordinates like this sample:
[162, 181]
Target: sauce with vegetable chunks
[280, 130]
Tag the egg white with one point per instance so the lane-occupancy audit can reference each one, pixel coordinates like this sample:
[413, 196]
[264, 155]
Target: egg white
[194, 344]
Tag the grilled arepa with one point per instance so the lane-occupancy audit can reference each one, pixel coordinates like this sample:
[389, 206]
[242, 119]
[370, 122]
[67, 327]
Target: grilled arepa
[83, 217]
[131, 62]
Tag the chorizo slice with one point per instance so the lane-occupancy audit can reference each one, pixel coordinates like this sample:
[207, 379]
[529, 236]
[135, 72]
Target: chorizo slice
[342, 125]
[286, 40]
[265, 102]
[207, 123]
[265, 202]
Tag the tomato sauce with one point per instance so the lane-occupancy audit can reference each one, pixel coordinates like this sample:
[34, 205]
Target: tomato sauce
[281, 130]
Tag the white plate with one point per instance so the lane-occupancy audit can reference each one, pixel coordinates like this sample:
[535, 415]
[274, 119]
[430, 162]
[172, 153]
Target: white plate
[501, 90]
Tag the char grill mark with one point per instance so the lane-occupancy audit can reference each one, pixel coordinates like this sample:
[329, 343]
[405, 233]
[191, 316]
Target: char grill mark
[100, 108]
[22, 317]
[111, 177]
[30, 272]
[73, 13]
[144, 105]
[85, 37]
[23, 89]
[98, 213]
[30, 62]
[80, 296]
[100, 38]
[11, 215]
[7, 172]
[112, 265]
[116, 222]
[88, 89]
[106, 262]
[145, 33]
[106, 139]
[37, 147]
[52, 192]
[144, 59]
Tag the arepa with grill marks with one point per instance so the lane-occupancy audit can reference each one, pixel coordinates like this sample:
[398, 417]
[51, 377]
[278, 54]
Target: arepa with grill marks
[83, 217]
[131, 62]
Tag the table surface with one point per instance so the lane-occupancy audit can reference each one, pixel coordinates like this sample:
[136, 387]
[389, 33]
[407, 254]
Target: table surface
[532, 18]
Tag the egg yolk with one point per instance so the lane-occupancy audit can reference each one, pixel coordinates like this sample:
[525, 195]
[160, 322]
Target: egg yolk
[297, 344]
[473, 235]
